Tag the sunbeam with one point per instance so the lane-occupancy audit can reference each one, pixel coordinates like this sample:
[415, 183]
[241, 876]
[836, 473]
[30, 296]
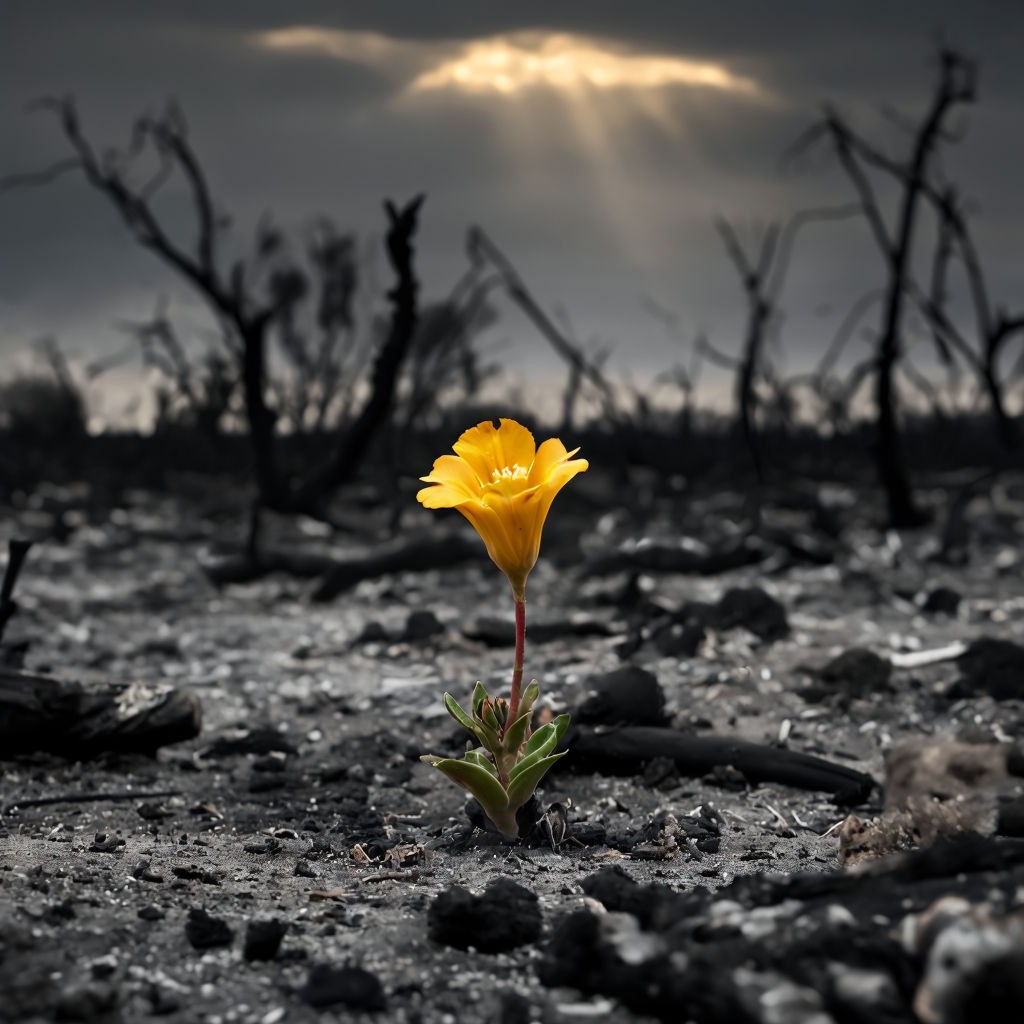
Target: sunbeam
[558, 102]
[508, 64]
[524, 60]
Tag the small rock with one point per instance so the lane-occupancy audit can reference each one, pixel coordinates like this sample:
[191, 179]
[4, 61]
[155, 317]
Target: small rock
[995, 667]
[144, 872]
[194, 873]
[505, 916]
[152, 810]
[258, 740]
[422, 624]
[103, 843]
[941, 601]
[206, 932]
[625, 696]
[103, 967]
[263, 939]
[372, 633]
[617, 892]
[856, 673]
[675, 639]
[88, 1002]
[753, 609]
[356, 987]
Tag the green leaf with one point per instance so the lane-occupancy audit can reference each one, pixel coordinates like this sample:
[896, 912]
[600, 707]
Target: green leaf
[542, 742]
[480, 694]
[521, 788]
[546, 737]
[516, 733]
[561, 723]
[460, 716]
[484, 733]
[480, 758]
[474, 778]
[529, 696]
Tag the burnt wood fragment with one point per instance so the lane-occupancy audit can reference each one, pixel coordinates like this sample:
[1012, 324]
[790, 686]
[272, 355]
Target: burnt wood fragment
[657, 557]
[223, 569]
[624, 751]
[43, 713]
[337, 575]
[416, 555]
[492, 631]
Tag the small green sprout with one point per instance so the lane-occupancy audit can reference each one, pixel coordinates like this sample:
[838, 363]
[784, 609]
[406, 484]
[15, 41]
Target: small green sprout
[505, 769]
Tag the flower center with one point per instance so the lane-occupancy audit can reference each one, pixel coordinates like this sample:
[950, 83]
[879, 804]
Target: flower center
[513, 472]
[509, 479]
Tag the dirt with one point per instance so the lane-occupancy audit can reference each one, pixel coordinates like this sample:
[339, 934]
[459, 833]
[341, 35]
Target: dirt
[297, 862]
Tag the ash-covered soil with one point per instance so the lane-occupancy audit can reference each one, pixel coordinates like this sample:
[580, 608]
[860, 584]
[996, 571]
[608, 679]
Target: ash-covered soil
[297, 862]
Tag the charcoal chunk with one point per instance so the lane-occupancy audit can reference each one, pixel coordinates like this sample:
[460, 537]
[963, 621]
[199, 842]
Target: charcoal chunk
[505, 916]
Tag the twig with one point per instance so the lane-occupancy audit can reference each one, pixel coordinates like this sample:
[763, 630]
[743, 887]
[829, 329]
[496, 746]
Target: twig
[88, 798]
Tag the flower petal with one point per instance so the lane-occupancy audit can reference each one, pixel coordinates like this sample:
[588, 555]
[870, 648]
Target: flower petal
[502, 534]
[442, 496]
[549, 455]
[488, 448]
[455, 472]
[536, 502]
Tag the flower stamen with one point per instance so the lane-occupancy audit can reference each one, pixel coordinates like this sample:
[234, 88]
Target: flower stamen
[513, 472]
[509, 480]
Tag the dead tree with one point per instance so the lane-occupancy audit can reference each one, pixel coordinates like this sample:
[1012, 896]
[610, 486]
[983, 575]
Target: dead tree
[914, 177]
[994, 327]
[197, 394]
[763, 278]
[251, 305]
[444, 362]
[581, 369]
[684, 377]
[760, 309]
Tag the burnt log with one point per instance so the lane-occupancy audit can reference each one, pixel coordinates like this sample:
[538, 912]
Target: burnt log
[337, 575]
[417, 555]
[42, 713]
[624, 751]
[672, 558]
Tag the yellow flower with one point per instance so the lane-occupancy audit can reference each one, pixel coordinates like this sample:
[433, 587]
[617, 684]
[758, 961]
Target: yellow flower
[504, 485]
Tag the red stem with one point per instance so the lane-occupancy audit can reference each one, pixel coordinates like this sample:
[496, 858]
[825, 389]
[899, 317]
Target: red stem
[517, 668]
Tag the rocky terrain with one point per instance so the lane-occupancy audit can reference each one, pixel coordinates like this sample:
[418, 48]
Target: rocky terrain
[714, 849]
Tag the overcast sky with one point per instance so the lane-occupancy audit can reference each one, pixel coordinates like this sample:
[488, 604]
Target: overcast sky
[595, 142]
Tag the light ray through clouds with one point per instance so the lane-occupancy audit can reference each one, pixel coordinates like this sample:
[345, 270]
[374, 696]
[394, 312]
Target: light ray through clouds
[598, 93]
[508, 64]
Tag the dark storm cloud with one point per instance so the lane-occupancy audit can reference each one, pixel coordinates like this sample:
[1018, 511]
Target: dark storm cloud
[298, 133]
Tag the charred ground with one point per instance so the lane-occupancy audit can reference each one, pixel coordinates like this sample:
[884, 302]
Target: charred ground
[296, 860]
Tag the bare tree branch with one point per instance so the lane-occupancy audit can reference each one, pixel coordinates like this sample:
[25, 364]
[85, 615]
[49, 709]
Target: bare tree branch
[481, 247]
[955, 87]
[34, 179]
